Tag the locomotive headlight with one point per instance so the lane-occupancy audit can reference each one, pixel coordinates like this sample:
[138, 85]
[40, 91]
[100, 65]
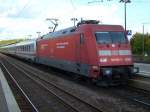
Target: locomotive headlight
[107, 71]
[103, 60]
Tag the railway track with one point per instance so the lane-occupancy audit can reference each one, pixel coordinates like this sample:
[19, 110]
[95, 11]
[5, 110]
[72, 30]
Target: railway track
[73, 102]
[23, 100]
[129, 94]
[138, 95]
[141, 82]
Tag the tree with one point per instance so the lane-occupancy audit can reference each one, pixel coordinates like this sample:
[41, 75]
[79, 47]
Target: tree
[136, 43]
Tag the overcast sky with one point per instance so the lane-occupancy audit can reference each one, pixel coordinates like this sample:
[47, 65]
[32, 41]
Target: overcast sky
[20, 18]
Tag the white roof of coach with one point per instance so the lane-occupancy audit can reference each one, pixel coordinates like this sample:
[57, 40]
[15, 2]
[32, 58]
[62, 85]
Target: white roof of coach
[28, 42]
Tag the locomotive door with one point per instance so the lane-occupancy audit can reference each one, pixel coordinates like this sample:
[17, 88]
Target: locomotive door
[80, 52]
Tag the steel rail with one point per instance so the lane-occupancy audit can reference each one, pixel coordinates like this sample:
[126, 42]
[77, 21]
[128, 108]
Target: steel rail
[133, 99]
[142, 102]
[39, 83]
[16, 83]
[77, 110]
[76, 97]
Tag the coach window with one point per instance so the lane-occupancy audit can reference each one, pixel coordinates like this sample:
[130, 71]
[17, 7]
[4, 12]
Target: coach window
[26, 48]
[32, 47]
[29, 48]
[81, 38]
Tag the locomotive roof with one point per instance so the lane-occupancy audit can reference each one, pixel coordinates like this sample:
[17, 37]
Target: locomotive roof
[73, 29]
[81, 26]
[102, 27]
[59, 33]
[68, 30]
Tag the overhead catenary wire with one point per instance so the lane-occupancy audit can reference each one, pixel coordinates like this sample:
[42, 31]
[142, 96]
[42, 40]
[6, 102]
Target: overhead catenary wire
[25, 6]
[73, 5]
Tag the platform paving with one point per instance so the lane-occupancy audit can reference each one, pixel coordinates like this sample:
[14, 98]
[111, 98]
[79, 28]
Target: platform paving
[144, 68]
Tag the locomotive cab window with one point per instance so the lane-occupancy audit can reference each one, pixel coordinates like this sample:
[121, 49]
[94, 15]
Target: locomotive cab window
[110, 37]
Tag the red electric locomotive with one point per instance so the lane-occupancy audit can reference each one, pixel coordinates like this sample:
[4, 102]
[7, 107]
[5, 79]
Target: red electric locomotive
[99, 52]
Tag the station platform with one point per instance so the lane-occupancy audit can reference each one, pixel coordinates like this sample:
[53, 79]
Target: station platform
[144, 69]
[7, 100]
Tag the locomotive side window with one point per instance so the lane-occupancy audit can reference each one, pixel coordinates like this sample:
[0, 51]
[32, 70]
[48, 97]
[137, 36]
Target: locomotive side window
[110, 37]
[81, 38]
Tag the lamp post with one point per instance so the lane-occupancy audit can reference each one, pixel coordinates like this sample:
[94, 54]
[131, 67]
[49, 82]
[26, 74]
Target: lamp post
[143, 46]
[143, 42]
[125, 11]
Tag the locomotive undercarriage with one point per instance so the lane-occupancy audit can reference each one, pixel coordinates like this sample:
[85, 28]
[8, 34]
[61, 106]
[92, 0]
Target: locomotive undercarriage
[116, 75]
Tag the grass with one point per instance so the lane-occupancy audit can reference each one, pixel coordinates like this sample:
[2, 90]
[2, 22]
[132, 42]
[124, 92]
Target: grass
[6, 42]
